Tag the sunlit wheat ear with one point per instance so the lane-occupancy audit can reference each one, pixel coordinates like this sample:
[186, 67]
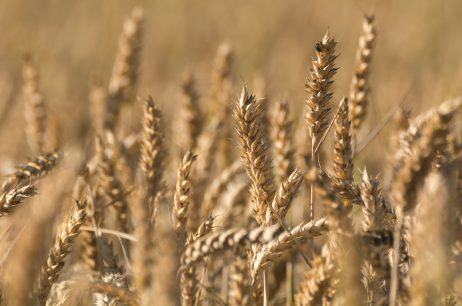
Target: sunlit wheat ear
[374, 209]
[220, 241]
[182, 197]
[343, 161]
[435, 211]
[30, 172]
[359, 92]
[60, 249]
[191, 119]
[221, 76]
[270, 251]
[316, 287]
[14, 197]
[282, 139]
[218, 187]
[255, 155]
[34, 107]
[152, 148]
[189, 279]
[318, 87]
[124, 77]
[220, 105]
[415, 167]
[110, 186]
[239, 288]
[285, 194]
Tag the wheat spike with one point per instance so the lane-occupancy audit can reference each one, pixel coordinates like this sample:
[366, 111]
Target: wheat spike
[124, 77]
[268, 252]
[359, 91]
[34, 106]
[415, 167]
[14, 197]
[152, 148]
[432, 247]
[281, 132]
[343, 164]
[374, 209]
[239, 289]
[119, 293]
[188, 277]
[255, 157]
[182, 197]
[318, 87]
[218, 187]
[285, 194]
[220, 241]
[60, 249]
[191, 118]
[316, 287]
[110, 185]
[28, 173]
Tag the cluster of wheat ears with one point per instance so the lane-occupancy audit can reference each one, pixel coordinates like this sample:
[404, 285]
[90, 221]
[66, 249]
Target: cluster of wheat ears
[265, 222]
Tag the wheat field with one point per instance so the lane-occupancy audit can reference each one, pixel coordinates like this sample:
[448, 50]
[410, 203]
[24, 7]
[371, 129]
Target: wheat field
[230, 153]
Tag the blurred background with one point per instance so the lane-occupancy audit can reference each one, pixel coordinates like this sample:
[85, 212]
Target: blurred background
[417, 61]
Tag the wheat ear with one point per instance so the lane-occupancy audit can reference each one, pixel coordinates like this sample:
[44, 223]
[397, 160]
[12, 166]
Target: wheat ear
[316, 287]
[281, 132]
[34, 107]
[11, 199]
[268, 252]
[182, 197]
[28, 173]
[359, 91]
[110, 185]
[218, 187]
[122, 84]
[191, 118]
[188, 277]
[60, 249]
[254, 153]
[220, 241]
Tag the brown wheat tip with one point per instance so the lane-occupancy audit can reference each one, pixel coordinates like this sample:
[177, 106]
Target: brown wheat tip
[318, 87]
[11, 199]
[254, 153]
[360, 83]
[60, 249]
